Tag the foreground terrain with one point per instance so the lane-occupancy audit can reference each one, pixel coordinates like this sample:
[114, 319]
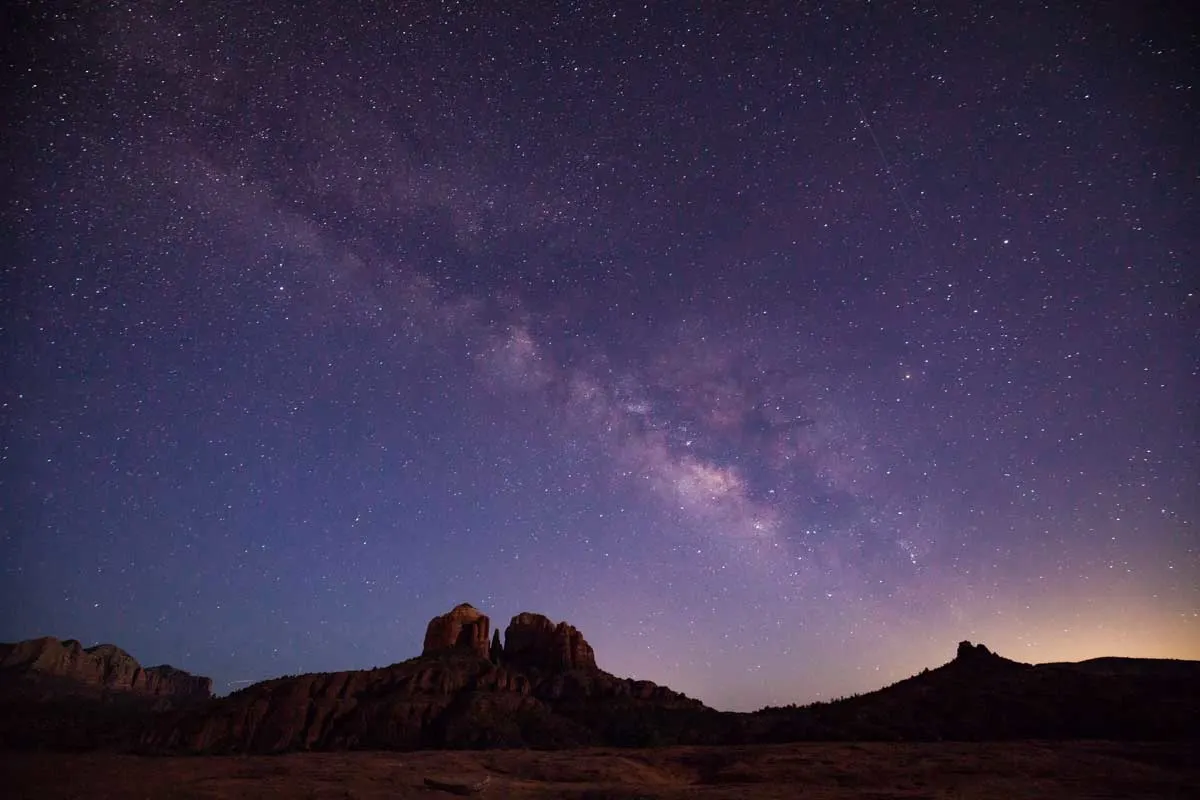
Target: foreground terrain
[817, 771]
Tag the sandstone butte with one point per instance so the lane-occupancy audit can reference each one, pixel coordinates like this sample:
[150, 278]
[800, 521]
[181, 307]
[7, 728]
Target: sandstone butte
[463, 628]
[541, 688]
[530, 640]
[534, 641]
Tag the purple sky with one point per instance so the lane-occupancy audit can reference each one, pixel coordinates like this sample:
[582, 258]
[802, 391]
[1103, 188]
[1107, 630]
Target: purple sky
[777, 350]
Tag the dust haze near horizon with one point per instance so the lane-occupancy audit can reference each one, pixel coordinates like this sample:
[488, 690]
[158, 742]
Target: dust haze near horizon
[777, 350]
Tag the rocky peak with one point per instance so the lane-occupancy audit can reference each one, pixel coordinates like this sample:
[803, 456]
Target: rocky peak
[532, 640]
[974, 654]
[464, 629]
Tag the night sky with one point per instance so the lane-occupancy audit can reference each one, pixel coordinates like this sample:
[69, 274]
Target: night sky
[777, 349]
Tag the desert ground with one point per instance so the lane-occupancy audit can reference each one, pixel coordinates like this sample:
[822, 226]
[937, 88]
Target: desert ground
[821, 771]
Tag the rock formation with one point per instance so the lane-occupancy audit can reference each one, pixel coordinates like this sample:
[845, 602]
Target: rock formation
[463, 629]
[543, 690]
[533, 641]
[496, 652]
[978, 657]
[453, 700]
[971, 652]
[546, 692]
[103, 668]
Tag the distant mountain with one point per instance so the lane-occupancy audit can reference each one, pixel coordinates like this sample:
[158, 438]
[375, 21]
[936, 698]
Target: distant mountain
[1144, 667]
[982, 696]
[59, 694]
[47, 665]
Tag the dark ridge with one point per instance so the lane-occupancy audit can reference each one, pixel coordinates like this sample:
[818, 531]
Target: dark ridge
[542, 688]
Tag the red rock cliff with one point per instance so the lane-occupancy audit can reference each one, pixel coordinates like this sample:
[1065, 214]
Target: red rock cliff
[464, 628]
[532, 640]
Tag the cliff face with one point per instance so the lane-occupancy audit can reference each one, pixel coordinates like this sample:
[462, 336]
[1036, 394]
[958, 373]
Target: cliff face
[67, 667]
[463, 628]
[454, 700]
[533, 641]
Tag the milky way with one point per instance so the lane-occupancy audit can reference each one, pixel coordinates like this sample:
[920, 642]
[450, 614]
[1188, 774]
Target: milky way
[777, 350]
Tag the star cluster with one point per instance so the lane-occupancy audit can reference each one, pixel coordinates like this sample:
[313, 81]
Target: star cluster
[776, 348]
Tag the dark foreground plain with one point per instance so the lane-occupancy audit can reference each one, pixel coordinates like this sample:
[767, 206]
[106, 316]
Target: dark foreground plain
[816, 771]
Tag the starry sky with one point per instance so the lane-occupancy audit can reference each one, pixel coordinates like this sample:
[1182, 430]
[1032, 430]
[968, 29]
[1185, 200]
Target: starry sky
[776, 346]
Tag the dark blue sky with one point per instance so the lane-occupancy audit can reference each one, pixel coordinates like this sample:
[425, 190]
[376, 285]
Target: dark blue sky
[777, 349]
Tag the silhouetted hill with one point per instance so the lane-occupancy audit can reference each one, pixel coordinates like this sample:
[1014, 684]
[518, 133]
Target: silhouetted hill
[982, 696]
[1145, 667]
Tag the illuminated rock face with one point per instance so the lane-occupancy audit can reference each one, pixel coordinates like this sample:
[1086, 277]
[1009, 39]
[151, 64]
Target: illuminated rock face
[464, 629]
[532, 640]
